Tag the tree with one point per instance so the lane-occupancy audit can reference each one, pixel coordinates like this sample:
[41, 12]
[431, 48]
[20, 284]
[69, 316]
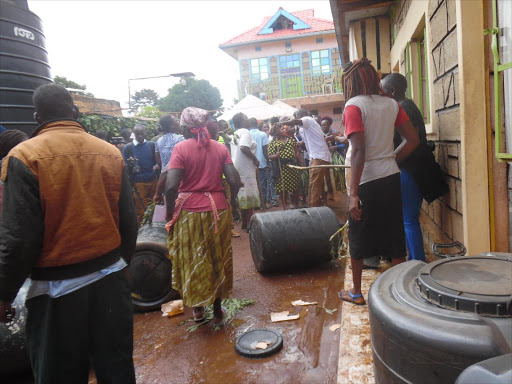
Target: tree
[149, 111]
[143, 98]
[63, 81]
[194, 93]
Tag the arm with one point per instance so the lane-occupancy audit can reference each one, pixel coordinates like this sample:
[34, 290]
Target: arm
[128, 225]
[357, 166]
[158, 159]
[410, 136]
[265, 152]
[233, 179]
[172, 184]
[294, 122]
[160, 187]
[21, 230]
[247, 152]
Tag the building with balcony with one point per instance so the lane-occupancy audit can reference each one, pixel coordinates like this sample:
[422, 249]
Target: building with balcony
[457, 58]
[293, 57]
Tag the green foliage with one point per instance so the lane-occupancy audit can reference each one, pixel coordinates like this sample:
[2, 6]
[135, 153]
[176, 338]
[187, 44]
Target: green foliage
[66, 83]
[195, 93]
[144, 97]
[114, 125]
[149, 111]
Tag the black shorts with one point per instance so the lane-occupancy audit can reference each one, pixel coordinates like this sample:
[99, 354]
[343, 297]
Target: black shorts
[381, 229]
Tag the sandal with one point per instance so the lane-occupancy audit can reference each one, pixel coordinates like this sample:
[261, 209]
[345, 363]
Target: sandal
[352, 297]
[197, 318]
[223, 321]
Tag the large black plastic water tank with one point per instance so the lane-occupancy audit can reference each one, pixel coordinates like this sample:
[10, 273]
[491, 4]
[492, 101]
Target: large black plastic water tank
[429, 322]
[23, 64]
[282, 240]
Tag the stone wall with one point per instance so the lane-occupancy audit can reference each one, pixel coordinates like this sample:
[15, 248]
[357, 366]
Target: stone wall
[92, 105]
[442, 220]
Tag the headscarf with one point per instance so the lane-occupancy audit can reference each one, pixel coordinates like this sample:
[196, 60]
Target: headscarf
[194, 119]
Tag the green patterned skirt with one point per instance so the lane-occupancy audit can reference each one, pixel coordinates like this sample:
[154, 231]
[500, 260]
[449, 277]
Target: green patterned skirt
[202, 260]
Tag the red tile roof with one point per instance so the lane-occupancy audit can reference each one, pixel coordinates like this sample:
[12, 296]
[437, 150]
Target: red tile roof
[251, 36]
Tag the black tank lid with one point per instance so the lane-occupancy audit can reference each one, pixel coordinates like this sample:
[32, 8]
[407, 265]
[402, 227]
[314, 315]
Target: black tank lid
[479, 284]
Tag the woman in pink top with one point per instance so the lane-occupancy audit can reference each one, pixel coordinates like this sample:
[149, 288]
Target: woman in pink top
[199, 224]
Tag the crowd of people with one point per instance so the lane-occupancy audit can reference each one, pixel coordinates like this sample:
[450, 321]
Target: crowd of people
[72, 205]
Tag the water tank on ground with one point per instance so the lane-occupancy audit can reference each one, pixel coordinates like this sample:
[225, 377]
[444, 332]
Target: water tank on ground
[23, 64]
[429, 322]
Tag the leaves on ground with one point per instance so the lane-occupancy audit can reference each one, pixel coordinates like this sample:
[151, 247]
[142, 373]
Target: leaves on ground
[232, 307]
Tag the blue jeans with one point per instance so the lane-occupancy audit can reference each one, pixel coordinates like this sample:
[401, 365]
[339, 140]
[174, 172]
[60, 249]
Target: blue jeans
[267, 185]
[411, 205]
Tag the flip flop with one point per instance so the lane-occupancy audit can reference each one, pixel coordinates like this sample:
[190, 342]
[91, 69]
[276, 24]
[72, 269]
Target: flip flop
[224, 313]
[196, 318]
[352, 297]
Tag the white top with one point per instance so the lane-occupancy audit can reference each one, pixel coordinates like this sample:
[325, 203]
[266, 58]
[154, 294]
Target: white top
[244, 165]
[378, 114]
[314, 139]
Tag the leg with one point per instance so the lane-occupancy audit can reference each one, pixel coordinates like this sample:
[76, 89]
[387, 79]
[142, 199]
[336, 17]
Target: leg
[111, 328]
[243, 213]
[57, 337]
[411, 205]
[218, 315]
[295, 198]
[263, 184]
[316, 183]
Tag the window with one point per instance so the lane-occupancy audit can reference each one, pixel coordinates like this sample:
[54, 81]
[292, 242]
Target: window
[313, 112]
[424, 96]
[337, 111]
[408, 76]
[320, 63]
[288, 44]
[259, 69]
[319, 40]
[257, 48]
[502, 52]
[289, 61]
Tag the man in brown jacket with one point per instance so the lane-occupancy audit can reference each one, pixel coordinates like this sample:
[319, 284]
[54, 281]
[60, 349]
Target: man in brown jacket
[68, 220]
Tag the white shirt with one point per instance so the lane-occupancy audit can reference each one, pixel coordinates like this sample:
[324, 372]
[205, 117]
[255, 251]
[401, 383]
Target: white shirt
[378, 114]
[244, 165]
[314, 139]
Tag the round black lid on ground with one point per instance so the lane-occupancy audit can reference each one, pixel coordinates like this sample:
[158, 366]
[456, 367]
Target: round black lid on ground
[480, 284]
[246, 343]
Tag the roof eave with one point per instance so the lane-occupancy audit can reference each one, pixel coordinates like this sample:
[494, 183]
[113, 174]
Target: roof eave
[223, 46]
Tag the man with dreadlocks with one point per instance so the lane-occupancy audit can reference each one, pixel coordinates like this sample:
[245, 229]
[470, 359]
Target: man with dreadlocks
[375, 205]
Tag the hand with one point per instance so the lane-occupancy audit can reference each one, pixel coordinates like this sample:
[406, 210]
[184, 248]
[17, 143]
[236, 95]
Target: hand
[158, 199]
[256, 162]
[156, 167]
[330, 139]
[277, 155]
[353, 207]
[7, 312]
[332, 148]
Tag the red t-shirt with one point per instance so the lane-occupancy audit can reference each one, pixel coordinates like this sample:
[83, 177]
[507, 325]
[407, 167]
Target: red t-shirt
[203, 168]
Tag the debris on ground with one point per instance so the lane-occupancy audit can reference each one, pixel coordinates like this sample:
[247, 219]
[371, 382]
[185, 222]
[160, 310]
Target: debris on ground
[231, 306]
[334, 327]
[298, 303]
[329, 311]
[282, 316]
[262, 345]
[172, 308]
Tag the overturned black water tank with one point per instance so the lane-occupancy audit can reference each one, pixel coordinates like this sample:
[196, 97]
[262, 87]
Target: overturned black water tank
[23, 64]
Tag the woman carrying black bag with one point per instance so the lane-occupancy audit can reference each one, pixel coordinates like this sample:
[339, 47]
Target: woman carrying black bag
[421, 177]
[281, 152]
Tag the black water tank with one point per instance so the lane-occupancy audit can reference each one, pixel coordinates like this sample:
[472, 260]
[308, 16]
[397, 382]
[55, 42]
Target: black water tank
[23, 64]
[282, 240]
[150, 271]
[429, 322]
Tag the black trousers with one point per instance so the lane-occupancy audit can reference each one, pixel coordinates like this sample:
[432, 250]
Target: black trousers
[93, 324]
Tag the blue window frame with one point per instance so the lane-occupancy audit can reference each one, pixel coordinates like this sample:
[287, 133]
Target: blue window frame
[289, 61]
[259, 69]
[320, 62]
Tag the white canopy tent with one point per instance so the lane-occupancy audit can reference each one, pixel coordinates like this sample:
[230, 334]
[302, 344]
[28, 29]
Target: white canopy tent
[286, 110]
[252, 106]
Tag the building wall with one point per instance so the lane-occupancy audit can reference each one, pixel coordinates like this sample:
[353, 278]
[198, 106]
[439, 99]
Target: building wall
[92, 105]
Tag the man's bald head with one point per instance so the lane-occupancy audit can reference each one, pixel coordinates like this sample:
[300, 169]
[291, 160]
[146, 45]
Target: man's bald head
[394, 85]
[52, 102]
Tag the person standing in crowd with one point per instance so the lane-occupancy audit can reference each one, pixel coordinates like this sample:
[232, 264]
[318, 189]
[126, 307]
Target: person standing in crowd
[282, 151]
[8, 140]
[101, 134]
[166, 143]
[68, 220]
[375, 204]
[142, 168]
[199, 225]
[420, 175]
[318, 153]
[243, 150]
[125, 134]
[261, 140]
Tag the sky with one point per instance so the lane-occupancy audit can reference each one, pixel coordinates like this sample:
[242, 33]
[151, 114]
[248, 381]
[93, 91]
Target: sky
[102, 44]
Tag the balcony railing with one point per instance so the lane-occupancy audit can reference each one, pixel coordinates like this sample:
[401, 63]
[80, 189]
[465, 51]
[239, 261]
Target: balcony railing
[286, 86]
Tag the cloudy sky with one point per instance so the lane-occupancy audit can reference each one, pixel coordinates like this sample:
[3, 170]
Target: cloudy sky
[102, 44]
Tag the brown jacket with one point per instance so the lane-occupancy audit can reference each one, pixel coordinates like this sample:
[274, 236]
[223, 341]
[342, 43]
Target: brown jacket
[80, 203]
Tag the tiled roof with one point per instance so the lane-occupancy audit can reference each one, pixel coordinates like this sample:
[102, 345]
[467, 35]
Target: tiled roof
[251, 36]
